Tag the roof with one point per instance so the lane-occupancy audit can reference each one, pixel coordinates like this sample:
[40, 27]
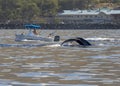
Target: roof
[32, 26]
[89, 12]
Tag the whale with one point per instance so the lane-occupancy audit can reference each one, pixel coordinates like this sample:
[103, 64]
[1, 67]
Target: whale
[78, 41]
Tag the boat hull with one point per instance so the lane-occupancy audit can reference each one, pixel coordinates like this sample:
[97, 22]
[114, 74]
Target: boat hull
[27, 37]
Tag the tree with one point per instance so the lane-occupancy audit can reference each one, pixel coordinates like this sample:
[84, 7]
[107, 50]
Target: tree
[29, 9]
[49, 7]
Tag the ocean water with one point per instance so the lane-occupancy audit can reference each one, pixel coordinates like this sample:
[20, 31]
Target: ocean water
[29, 63]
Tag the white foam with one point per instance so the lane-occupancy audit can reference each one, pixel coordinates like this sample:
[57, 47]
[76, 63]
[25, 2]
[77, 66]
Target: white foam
[101, 39]
[54, 45]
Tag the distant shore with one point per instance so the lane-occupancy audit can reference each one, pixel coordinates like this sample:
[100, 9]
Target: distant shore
[64, 26]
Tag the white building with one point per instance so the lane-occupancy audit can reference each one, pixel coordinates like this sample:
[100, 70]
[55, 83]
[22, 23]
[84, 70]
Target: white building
[89, 16]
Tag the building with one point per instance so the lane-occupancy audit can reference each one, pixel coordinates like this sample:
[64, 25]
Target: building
[101, 16]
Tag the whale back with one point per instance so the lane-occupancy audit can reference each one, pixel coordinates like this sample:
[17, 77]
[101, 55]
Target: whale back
[80, 41]
[83, 41]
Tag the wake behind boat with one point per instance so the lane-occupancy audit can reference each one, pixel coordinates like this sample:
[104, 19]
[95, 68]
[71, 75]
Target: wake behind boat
[33, 35]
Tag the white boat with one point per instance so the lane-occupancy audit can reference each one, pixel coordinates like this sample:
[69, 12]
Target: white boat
[33, 36]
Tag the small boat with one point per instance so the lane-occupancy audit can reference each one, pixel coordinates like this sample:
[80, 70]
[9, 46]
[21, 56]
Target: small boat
[32, 35]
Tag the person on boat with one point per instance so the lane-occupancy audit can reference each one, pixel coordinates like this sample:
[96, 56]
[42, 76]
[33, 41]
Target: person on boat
[50, 35]
[22, 33]
[35, 32]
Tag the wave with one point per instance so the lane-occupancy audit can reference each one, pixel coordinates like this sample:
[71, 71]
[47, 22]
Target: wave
[95, 41]
[99, 41]
[103, 39]
[27, 45]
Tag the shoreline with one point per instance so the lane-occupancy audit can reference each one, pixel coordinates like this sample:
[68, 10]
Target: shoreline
[64, 26]
[65, 29]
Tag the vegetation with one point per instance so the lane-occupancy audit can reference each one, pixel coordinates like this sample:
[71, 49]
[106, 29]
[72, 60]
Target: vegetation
[27, 10]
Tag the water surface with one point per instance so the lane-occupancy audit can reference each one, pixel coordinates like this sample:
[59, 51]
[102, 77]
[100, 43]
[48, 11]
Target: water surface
[99, 65]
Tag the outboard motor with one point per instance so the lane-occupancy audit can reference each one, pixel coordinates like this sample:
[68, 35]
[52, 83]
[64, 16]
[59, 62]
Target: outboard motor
[56, 38]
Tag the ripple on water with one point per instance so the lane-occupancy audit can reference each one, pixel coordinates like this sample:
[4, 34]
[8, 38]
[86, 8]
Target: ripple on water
[23, 58]
[62, 76]
[16, 83]
[43, 65]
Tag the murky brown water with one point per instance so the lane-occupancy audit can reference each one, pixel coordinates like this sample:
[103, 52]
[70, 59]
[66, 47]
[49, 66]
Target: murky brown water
[98, 65]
